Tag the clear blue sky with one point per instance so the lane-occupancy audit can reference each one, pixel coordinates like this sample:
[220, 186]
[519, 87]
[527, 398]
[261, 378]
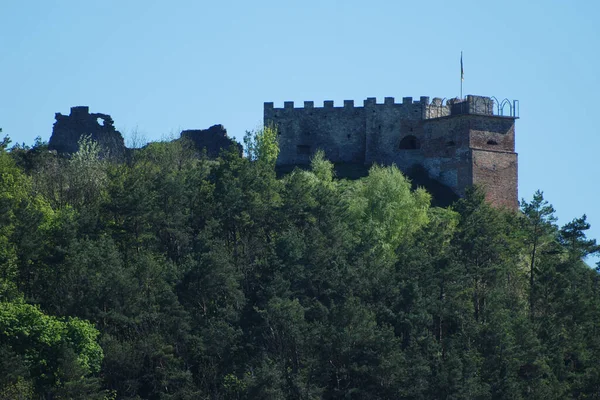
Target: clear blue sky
[161, 66]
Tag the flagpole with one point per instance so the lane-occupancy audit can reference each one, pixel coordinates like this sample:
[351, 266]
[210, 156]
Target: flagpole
[461, 76]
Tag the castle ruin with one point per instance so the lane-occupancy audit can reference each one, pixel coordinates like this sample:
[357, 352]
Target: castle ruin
[69, 129]
[460, 143]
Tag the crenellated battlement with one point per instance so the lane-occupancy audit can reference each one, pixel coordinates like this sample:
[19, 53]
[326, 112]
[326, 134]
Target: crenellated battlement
[327, 104]
[434, 108]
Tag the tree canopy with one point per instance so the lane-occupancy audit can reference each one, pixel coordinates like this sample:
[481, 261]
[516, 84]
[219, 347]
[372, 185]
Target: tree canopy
[176, 276]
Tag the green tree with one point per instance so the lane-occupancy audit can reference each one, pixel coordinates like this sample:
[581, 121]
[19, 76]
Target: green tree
[46, 343]
[539, 233]
[262, 146]
[384, 209]
[14, 193]
[572, 237]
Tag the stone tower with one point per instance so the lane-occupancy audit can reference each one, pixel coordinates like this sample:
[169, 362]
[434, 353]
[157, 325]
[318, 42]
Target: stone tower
[459, 143]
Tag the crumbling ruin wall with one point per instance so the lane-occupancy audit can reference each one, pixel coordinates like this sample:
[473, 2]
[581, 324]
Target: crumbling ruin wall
[69, 129]
[212, 140]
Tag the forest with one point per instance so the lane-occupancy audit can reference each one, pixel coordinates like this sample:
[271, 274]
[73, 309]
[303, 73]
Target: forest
[176, 276]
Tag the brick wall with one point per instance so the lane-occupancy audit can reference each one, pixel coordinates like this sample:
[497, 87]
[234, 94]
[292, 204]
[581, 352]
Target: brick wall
[496, 172]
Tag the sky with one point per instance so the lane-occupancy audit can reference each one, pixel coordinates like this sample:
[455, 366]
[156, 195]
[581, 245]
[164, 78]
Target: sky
[158, 67]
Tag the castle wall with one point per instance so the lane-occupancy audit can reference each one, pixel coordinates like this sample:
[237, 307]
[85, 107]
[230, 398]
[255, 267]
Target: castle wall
[459, 144]
[493, 158]
[339, 131]
[446, 153]
[387, 124]
[492, 133]
[496, 172]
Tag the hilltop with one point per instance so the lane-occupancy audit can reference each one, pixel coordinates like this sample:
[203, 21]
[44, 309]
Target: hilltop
[174, 276]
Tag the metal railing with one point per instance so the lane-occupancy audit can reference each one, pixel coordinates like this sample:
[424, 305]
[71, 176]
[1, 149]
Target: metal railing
[474, 105]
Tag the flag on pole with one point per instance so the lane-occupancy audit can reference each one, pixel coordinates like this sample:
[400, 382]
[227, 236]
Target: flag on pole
[462, 72]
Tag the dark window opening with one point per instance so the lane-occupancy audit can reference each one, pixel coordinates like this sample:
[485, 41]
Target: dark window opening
[492, 142]
[348, 136]
[411, 129]
[451, 143]
[303, 149]
[410, 143]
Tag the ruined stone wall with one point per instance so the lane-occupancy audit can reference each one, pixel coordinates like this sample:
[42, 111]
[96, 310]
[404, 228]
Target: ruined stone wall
[68, 130]
[212, 140]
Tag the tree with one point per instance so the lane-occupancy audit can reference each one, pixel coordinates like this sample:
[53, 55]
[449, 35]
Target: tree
[51, 348]
[384, 209]
[261, 145]
[572, 237]
[539, 231]
[214, 278]
[14, 190]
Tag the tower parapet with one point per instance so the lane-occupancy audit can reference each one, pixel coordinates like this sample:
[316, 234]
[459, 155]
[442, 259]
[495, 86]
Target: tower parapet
[472, 105]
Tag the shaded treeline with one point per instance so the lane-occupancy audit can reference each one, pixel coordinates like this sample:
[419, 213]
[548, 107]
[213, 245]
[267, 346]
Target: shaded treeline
[214, 279]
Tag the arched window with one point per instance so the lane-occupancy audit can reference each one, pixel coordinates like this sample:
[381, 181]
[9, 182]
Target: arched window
[492, 142]
[410, 142]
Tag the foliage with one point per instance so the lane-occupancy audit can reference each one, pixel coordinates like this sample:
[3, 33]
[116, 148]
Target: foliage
[43, 341]
[173, 276]
[262, 145]
[385, 209]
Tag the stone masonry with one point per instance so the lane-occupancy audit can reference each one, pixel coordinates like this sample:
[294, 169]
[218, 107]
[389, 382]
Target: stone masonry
[212, 140]
[68, 130]
[460, 143]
